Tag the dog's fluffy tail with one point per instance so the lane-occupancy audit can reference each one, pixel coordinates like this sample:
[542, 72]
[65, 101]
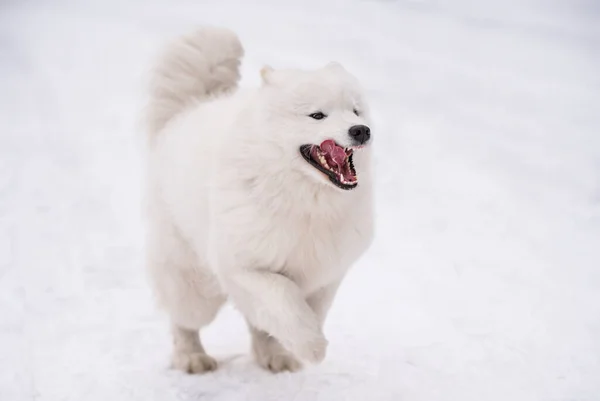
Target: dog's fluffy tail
[194, 67]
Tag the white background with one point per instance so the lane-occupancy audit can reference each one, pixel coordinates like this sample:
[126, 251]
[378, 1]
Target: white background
[483, 282]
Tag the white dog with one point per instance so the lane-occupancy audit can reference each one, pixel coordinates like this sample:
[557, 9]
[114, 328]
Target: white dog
[263, 197]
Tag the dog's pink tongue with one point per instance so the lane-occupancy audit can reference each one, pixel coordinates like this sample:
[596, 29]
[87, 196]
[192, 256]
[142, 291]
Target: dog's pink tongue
[336, 153]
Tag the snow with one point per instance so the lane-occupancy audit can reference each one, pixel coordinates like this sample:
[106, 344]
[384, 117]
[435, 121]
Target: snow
[484, 279]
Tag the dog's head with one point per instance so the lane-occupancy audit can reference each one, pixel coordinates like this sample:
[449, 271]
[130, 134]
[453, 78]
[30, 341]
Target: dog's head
[320, 119]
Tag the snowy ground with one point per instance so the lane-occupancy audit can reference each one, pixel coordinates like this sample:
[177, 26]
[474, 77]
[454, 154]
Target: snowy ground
[483, 282]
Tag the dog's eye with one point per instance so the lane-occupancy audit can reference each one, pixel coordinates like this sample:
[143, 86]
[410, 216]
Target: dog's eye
[318, 115]
[356, 112]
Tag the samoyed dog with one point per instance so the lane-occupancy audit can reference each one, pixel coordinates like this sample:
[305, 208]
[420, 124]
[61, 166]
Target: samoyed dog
[261, 196]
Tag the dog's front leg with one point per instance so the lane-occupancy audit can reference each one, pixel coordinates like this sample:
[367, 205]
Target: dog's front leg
[321, 300]
[273, 303]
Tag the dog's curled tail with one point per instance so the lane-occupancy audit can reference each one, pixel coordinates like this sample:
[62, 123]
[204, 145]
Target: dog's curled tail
[194, 67]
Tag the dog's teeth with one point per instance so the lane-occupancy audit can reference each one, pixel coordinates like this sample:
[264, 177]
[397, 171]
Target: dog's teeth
[324, 162]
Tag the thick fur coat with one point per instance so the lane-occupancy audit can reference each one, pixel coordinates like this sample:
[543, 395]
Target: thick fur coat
[233, 209]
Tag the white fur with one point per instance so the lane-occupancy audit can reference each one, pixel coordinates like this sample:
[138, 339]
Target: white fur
[235, 212]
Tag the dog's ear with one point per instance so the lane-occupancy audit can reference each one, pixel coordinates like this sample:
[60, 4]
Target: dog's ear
[335, 66]
[267, 74]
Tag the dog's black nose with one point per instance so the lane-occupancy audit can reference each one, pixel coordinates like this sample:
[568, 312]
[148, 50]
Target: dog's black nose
[360, 134]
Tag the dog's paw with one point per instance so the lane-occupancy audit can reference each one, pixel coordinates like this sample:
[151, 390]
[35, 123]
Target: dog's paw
[312, 351]
[195, 362]
[280, 363]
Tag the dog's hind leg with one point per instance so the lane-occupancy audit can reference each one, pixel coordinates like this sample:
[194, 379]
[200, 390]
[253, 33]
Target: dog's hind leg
[186, 290]
[188, 352]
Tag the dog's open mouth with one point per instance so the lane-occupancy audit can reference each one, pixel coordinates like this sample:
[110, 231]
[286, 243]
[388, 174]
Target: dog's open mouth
[333, 161]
